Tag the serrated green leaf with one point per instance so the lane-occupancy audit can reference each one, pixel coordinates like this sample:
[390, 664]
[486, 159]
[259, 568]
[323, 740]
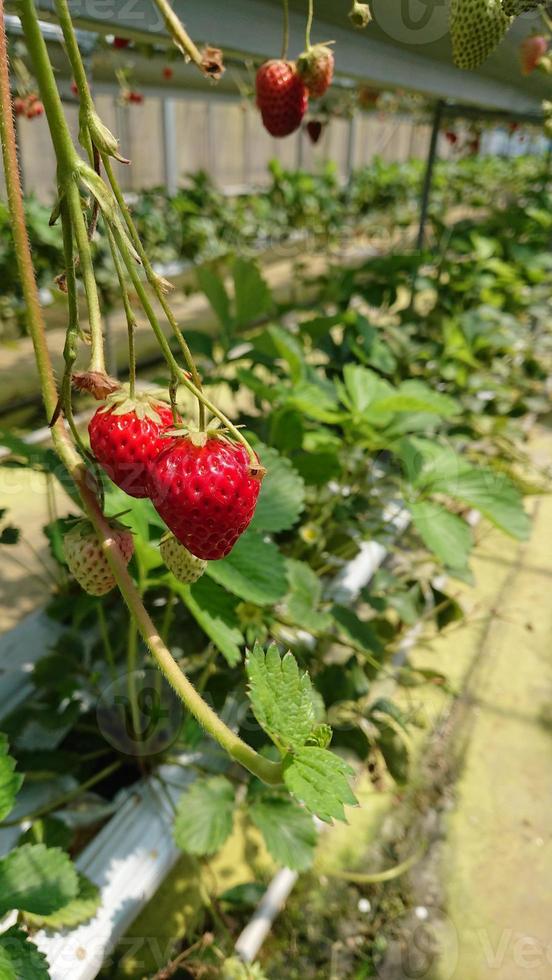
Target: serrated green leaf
[320, 780]
[254, 570]
[301, 603]
[445, 534]
[10, 781]
[7, 968]
[24, 959]
[493, 495]
[281, 696]
[415, 396]
[205, 816]
[215, 291]
[288, 831]
[36, 879]
[252, 297]
[80, 909]
[214, 610]
[282, 496]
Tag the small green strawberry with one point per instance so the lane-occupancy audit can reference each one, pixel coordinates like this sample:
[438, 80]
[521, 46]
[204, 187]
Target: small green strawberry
[476, 28]
[184, 566]
[513, 8]
[86, 559]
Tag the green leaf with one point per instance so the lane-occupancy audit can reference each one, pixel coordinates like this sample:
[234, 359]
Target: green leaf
[10, 781]
[7, 967]
[494, 496]
[205, 816]
[252, 295]
[415, 396]
[24, 960]
[215, 291]
[302, 601]
[445, 534]
[281, 696]
[254, 570]
[80, 909]
[362, 387]
[37, 879]
[215, 611]
[320, 780]
[282, 496]
[315, 401]
[288, 831]
[356, 629]
[276, 343]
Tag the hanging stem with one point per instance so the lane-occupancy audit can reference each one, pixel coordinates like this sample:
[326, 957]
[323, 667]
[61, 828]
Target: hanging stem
[67, 168]
[154, 282]
[129, 313]
[267, 771]
[310, 17]
[178, 33]
[285, 34]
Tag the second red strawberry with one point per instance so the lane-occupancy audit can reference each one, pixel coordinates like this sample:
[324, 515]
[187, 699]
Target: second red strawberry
[206, 494]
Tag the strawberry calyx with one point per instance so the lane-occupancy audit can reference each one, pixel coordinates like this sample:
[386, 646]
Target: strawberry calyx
[144, 404]
[215, 430]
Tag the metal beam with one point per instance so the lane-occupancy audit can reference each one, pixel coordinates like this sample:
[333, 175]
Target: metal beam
[428, 177]
[249, 28]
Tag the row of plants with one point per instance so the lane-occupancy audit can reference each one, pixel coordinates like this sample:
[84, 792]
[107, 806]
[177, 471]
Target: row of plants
[200, 223]
[363, 407]
[367, 404]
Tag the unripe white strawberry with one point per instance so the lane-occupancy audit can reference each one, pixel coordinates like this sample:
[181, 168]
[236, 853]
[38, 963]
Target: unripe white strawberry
[86, 559]
[184, 566]
[476, 28]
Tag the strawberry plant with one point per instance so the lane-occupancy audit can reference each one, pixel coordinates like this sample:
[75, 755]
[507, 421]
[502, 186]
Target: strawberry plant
[361, 422]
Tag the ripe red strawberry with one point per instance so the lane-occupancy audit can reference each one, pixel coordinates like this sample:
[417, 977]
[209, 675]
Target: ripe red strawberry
[206, 490]
[451, 137]
[20, 106]
[168, 72]
[282, 97]
[86, 559]
[121, 43]
[314, 129]
[316, 68]
[126, 435]
[135, 97]
[531, 50]
[74, 87]
[184, 566]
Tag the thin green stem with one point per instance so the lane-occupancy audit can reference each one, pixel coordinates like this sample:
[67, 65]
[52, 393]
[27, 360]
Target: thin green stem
[310, 18]
[179, 35]
[67, 170]
[132, 658]
[285, 29]
[108, 648]
[65, 798]
[269, 772]
[167, 352]
[154, 281]
[129, 313]
[359, 878]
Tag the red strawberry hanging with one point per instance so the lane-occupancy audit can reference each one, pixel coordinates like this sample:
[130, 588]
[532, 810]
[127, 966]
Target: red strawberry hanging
[531, 50]
[126, 435]
[316, 68]
[205, 489]
[314, 129]
[281, 96]
[121, 43]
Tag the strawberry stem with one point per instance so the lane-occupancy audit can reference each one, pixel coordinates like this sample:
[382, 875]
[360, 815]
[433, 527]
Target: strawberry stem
[310, 18]
[269, 772]
[285, 36]
[178, 33]
[129, 314]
